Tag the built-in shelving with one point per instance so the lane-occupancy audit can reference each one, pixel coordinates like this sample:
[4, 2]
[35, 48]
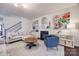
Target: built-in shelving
[67, 38]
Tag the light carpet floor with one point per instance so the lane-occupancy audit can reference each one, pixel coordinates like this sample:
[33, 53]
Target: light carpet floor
[19, 49]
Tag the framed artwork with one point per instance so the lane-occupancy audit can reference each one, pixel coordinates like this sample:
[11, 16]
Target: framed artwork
[61, 21]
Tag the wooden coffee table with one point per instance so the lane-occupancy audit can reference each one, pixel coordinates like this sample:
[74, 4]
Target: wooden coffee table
[30, 40]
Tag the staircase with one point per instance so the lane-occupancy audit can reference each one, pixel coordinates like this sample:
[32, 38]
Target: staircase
[2, 35]
[15, 28]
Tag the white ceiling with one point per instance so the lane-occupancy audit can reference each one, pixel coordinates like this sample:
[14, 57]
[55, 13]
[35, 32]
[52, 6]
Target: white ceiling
[34, 9]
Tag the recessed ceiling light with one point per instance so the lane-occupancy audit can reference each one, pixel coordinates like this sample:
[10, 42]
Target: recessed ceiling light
[16, 5]
[26, 5]
[22, 5]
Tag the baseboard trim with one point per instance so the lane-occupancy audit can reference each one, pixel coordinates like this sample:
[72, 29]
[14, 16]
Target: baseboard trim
[13, 41]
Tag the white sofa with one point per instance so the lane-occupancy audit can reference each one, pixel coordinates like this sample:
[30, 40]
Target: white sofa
[13, 36]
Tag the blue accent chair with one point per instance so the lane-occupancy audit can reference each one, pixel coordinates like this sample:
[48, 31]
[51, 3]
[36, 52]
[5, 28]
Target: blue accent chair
[51, 41]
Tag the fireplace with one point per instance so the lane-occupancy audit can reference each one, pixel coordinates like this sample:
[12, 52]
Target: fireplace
[42, 34]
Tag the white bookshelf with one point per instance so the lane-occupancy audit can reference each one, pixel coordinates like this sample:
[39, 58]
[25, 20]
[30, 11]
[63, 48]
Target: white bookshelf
[67, 38]
[41, 25]
[66, 41]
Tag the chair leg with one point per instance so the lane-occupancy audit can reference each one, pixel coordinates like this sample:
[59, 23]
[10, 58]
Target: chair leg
[47, 49]
[52, 48]
[57, 48]
[30, 46]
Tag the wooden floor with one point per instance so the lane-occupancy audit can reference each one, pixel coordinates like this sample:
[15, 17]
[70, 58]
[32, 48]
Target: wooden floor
[71, 51]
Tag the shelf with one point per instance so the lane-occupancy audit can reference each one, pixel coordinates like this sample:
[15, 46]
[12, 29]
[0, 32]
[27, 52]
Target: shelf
[67, 40]
[67, 43]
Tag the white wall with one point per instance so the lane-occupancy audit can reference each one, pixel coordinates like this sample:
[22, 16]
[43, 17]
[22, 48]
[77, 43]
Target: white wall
[74, 18]
[10, 21]
[74, 14]
[51, 15]
[26, 25]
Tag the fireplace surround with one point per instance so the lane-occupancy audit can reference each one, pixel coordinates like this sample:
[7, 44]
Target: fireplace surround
[43, 33]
